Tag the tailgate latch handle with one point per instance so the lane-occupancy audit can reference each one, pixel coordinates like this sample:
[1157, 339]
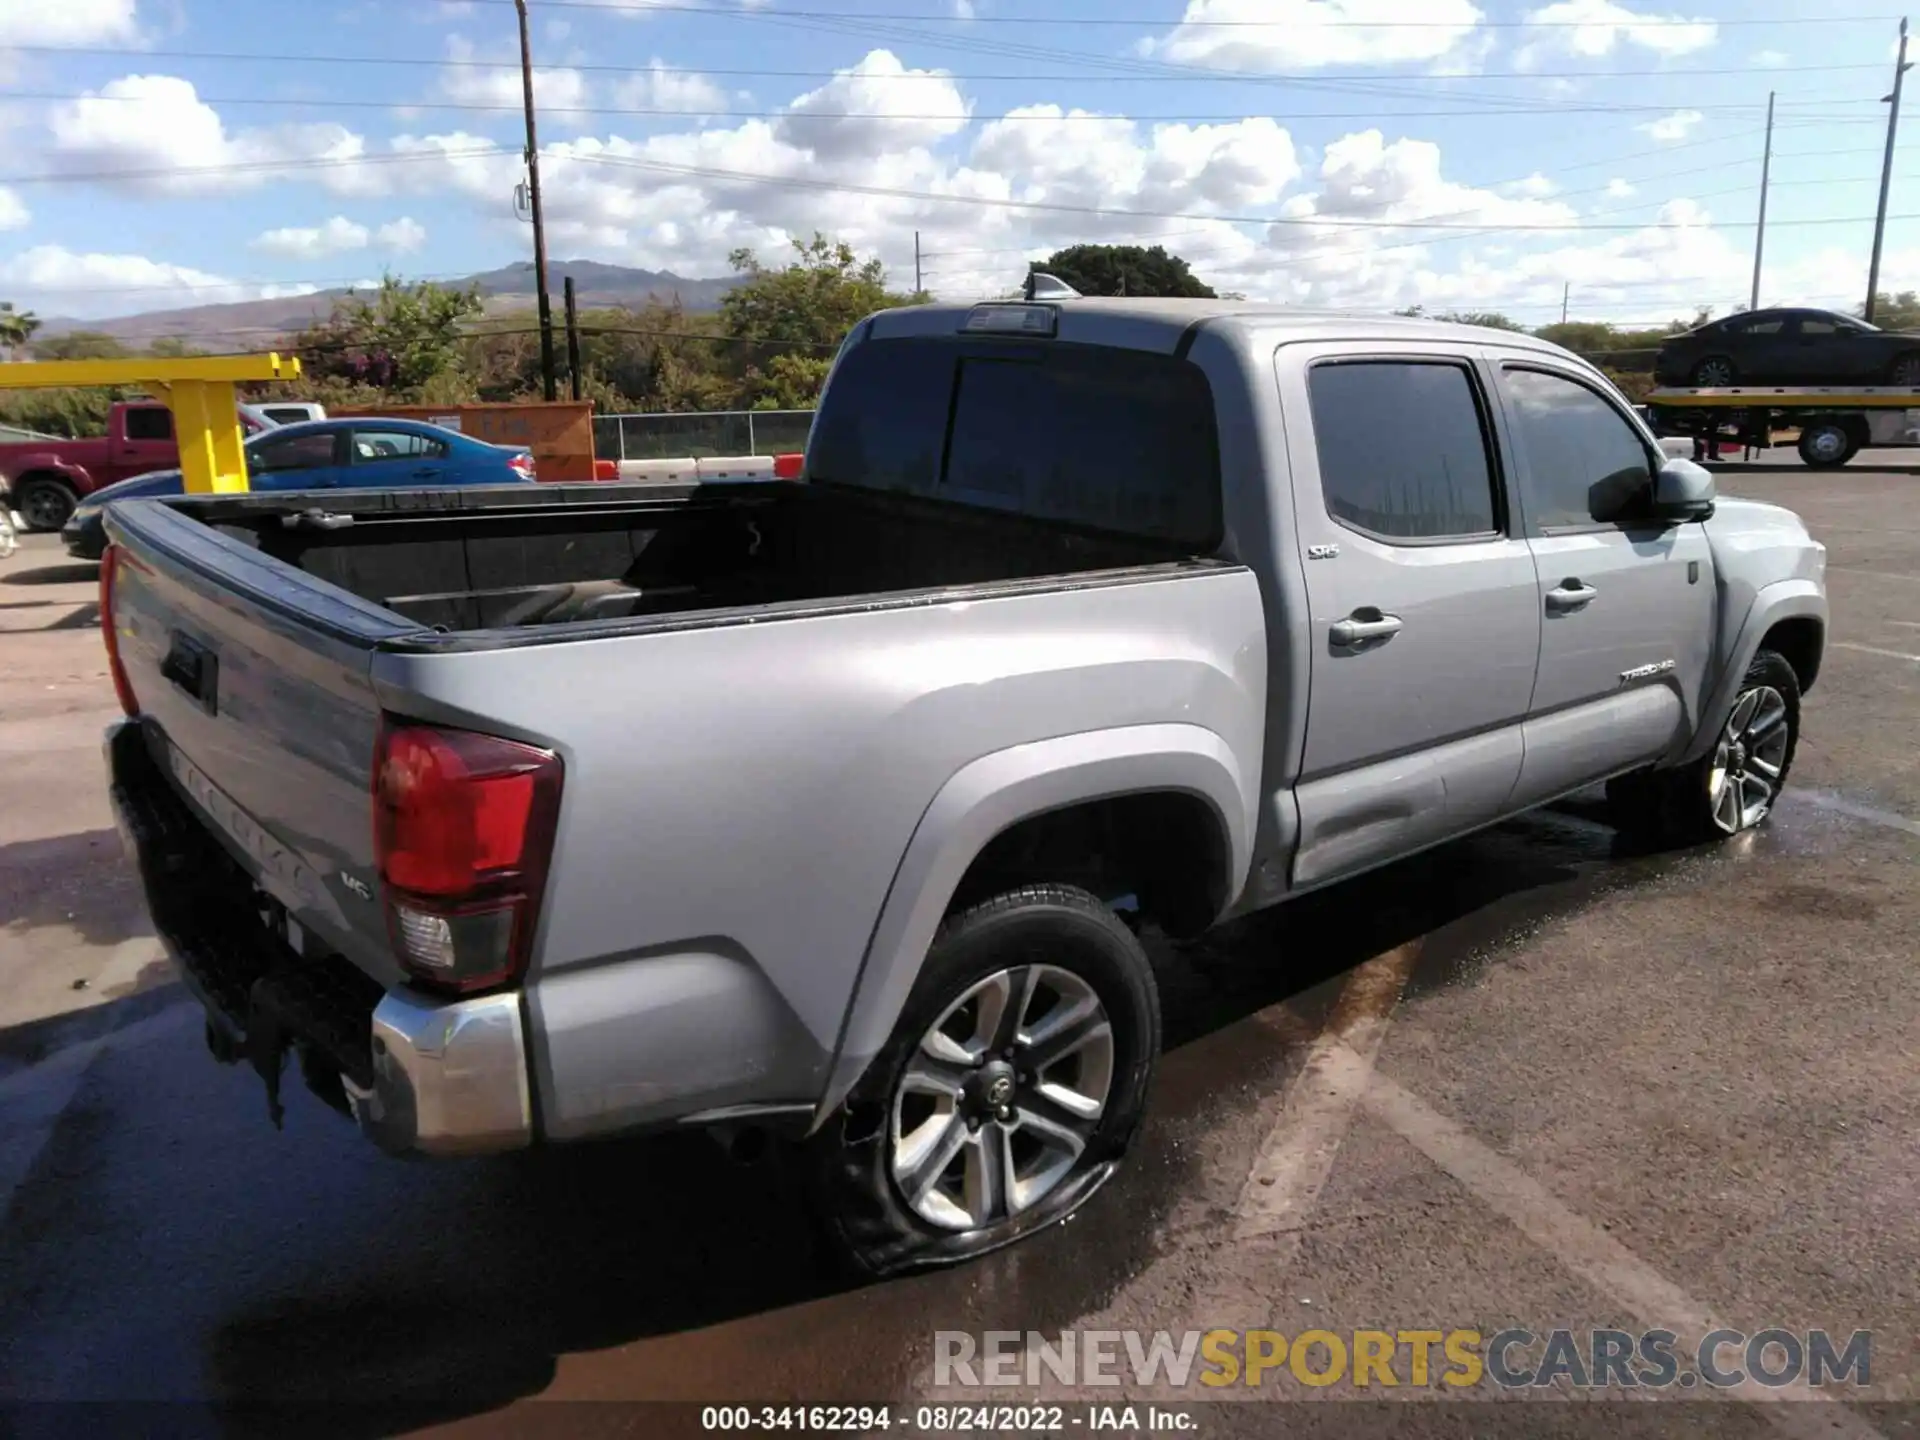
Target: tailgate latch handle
[195, 669]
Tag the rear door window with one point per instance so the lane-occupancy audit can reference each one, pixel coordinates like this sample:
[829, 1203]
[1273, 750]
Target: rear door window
[149, 423]
[1109, 438]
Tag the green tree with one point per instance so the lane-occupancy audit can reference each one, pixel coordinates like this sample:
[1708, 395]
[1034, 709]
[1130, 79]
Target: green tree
[1895, 312]
[813, 301]
[1123, 270]
[785, 324]
[406, 337]
[174, 348]
[1489, 319]
[80, 345]
[16, 327]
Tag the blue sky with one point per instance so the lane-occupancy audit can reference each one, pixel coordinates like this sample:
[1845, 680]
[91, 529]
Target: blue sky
[1368, 153]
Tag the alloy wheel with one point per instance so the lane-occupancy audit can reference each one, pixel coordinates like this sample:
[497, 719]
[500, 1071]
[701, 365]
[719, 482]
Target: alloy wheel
[1001, 1096]
[1748, 760]
[1713, 374]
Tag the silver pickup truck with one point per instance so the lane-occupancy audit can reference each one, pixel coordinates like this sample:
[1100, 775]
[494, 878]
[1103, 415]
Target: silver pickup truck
[833, 810]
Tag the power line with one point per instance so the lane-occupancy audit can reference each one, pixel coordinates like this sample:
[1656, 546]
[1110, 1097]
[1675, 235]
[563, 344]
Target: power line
[1155, 22]
[1225, 77]
[1517, 107]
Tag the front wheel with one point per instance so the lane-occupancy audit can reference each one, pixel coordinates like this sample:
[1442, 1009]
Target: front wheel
[1716, 372]
[1012, 1085]
[1735, 785]
[44, 504]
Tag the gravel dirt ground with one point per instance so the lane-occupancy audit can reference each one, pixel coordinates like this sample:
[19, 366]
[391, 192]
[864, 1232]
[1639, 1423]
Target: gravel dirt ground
[1531, 1080]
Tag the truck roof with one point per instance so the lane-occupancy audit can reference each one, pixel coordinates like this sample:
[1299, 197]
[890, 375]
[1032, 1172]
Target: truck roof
[1158, 324]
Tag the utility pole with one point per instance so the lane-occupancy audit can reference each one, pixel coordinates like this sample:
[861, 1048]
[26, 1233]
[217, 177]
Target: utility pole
[548, 382]
[1900, 68]
[1760, 233]
[1566, 294]
[917, 287]
[573, 336]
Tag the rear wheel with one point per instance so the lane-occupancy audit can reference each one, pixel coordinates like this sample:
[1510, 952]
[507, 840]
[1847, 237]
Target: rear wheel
[1715, 372]
[44, 502]
[1012, 1085]
[1905, 372]
[1734, 786]
[1827, 444]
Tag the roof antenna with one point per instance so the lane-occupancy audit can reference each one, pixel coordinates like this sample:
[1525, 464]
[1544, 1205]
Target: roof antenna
[1041, 286]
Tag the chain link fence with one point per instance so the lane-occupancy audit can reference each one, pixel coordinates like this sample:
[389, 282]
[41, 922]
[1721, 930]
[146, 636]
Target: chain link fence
[701, 434]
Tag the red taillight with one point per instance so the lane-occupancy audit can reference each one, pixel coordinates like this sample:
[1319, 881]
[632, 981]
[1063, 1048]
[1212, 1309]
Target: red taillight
[521, 465]
[122, 686]
[463, 826]
[788, 467]
[606, 469]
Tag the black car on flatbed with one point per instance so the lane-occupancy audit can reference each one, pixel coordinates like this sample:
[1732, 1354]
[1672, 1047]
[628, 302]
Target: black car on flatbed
[1789, 347]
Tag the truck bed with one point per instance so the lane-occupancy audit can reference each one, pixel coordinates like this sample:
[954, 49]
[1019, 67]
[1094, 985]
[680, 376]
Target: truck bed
[490, 561]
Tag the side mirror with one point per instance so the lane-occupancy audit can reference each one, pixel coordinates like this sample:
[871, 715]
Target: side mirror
[1682, 492]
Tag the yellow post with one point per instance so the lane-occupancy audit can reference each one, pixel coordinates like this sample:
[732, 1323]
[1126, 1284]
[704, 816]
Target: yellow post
[198, 390]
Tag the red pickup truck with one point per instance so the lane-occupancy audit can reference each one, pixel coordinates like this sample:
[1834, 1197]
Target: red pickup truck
[48, 477]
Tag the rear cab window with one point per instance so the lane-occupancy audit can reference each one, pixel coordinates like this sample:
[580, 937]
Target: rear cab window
[1098, 436]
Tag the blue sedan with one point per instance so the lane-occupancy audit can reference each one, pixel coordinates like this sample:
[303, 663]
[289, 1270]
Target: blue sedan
[368, 454]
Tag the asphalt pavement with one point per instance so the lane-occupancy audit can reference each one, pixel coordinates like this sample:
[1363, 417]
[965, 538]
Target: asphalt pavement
[1531, 1080]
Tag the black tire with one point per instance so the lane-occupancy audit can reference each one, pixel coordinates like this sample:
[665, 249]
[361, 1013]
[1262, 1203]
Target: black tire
[1677, 807]
[1828, 444]
[1715, 372]
[1905, 371]
[43, 502]
[867, 1217]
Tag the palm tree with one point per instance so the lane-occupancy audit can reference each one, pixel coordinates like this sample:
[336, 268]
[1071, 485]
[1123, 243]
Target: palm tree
[16, 327]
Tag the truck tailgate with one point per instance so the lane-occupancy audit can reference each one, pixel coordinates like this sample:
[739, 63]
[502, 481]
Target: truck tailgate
[253, 690]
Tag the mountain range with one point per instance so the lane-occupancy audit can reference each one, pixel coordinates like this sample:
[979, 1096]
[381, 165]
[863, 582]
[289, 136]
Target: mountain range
[257, 323]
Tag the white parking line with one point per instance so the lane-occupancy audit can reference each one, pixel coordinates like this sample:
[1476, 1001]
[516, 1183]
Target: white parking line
[1840, 805]
[1875, 650]
[1588, 1251]
[1293, 1162]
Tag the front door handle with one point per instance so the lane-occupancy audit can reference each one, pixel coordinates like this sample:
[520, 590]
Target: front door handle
[1367, 623]
[1570, 595]
[427, 472]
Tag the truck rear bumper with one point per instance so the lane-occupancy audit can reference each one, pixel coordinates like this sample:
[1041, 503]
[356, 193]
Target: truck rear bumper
[416, 1074]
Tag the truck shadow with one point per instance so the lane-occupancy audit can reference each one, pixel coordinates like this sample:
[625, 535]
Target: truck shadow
[664, 1269]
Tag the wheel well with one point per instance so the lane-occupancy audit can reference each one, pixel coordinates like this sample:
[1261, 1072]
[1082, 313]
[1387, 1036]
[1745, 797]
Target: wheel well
[1164, 848]
[52, 477]
[1799, 642]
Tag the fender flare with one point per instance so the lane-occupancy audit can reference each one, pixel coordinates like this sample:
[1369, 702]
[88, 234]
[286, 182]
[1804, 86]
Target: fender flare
[1799, 599]
[75, 477]
[984, 798]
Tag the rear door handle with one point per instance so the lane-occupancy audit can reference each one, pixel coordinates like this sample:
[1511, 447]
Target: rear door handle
[1570, 595]
[1363, 625]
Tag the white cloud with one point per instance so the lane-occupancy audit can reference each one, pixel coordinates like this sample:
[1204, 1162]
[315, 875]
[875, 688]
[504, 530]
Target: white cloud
[1669, 128]
[405, 235]
[554, 87]
[55, 280]
[1771, 59]
[67, 22]
[963, 9]
[1618, 189]
[141, 131]
[311, 242]
[1535, 187]
[14, 214]
[1292, 34]
[1592, 28]
[658, 88]
[877, 100]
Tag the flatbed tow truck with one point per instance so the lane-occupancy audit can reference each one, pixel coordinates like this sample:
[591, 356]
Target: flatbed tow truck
[1835, 422]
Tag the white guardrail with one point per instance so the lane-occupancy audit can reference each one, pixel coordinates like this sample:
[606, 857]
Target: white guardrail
[692, 471]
